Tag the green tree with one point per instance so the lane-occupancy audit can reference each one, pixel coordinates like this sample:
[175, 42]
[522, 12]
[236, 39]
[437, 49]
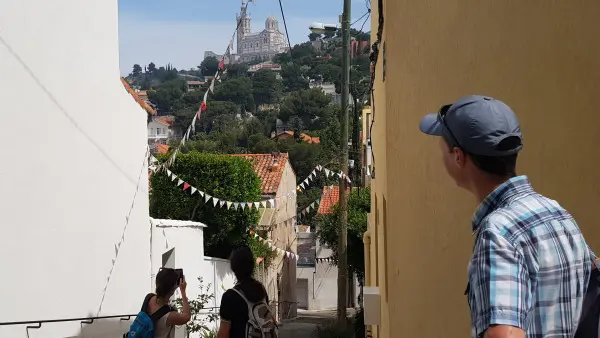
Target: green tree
[165, 96]
[359, 205]
[209, 66]
[137, 70]
[237, 90]
[226, 177]
[310, 106]
[266, 88]
[151, 68]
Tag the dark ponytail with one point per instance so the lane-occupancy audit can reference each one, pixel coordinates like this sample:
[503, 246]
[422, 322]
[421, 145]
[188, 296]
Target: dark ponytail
[242, 263]
[166, 282]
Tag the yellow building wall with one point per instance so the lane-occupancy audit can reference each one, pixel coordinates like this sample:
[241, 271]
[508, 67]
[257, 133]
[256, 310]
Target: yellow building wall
[543, 59]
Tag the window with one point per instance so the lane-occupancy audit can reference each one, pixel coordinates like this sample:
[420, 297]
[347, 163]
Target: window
[157, 131]
[164, 131]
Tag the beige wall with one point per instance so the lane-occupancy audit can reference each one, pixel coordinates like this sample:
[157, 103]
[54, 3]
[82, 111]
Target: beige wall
[543, 59]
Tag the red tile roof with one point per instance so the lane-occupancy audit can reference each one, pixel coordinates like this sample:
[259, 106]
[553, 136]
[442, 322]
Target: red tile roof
[269, 168]
[166, 120]
[137, 99]
[329, 198]
[162, 148]
[305, 137]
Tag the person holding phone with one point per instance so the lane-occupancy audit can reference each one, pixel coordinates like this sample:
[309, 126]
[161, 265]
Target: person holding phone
[167, 282]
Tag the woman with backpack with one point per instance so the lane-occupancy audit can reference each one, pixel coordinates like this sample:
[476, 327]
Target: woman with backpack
[157, 319]
[244, 308]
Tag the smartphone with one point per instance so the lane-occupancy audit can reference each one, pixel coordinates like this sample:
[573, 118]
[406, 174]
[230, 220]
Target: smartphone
[181, 275]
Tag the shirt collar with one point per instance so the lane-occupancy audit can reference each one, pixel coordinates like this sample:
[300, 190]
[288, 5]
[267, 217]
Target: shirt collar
[503, 193]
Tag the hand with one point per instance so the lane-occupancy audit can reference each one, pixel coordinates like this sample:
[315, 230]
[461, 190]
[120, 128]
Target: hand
[182, 285]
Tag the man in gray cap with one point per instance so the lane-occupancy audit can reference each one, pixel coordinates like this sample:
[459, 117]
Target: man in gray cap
[530, 265]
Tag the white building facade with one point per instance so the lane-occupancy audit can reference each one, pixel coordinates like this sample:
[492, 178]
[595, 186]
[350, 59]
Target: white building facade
[67, 201]
[261, 46]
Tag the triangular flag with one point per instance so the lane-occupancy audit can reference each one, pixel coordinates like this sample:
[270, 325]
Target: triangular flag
[201, 193]
[302, 185]
[169, 172]
[194, 122]
[207, 198]
[288, 254]
[312, 205]
[222, 203]
[327, 172]
[222, 64]
[173, 177]
[229, 205]
[212, 87]
[272, 203]
[203, 106]
[255, 235]
[304, 212]
[236, 205]
[186, 186]
[256, 205]
[179, 182]
[194, 190]
[215, 201]
[243, 205]
[264, 204]
[318, 202]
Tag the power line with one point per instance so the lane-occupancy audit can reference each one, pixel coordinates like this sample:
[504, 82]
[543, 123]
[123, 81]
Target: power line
[357, 20]
[286, 29]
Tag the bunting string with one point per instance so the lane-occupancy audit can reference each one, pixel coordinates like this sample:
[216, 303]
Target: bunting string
[271, 202]
[312, 206]
[273, 247]
[203, 105]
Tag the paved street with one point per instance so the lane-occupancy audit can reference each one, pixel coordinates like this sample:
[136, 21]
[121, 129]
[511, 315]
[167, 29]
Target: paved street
[305, 326]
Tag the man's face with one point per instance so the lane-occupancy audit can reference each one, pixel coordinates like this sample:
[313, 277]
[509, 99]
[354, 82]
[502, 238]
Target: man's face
[454, 162]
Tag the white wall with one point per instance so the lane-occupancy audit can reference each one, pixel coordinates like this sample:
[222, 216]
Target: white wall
[187, 238]
[63, 202]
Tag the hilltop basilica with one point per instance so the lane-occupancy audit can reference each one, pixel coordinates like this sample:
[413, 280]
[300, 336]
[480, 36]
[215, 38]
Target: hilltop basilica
[260, 46]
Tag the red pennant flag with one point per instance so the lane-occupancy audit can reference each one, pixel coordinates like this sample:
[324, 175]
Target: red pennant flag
[186, 186]
[222, 64]
[203, 106]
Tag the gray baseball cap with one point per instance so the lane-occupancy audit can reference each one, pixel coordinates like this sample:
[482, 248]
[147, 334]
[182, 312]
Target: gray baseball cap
[477, 124]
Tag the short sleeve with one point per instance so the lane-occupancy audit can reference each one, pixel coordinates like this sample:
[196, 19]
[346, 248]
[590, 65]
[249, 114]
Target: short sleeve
[499, 283]
[226, 311]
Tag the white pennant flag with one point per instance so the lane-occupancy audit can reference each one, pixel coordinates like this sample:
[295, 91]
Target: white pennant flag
[243, 205]
[312, 205]
[194, 121]
[256, 205]
[194, 190]
[222, 203]
[179, 182]
[302, 185]
[264, 204]
[182, 141]
[201, 193]
[169, 173]
[215, 201]
[205, 96]
[272, 203]
[229, 205]
[320, 167]
[236, 205]
[288, 254]
[207, 198]
[173, 177]
[327, 172]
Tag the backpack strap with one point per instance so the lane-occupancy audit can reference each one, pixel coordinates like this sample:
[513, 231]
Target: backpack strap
[244, 298]
[160, 313]
[146, 302]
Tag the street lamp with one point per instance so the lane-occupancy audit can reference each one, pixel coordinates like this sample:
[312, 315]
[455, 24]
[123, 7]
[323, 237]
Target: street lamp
[322, 28]
[342, 282]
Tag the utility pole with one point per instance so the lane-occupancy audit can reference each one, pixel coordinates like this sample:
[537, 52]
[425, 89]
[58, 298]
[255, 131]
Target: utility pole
[343, 234]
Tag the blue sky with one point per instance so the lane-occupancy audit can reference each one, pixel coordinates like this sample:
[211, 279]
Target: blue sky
[179, 31]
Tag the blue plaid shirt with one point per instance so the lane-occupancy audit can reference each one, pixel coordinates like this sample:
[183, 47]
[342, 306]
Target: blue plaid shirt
[530, 266]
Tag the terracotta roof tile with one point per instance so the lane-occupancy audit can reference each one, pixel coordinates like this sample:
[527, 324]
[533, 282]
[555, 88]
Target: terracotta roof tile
[269, 168]
[329, 198]
[162, 149]
[305, 137]
[141, 102]
[167, 120]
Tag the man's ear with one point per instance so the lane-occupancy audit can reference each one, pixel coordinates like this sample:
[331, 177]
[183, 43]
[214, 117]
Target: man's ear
[460, 157]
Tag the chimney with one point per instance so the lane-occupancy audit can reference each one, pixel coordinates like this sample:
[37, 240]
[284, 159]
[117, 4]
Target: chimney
[275, 163]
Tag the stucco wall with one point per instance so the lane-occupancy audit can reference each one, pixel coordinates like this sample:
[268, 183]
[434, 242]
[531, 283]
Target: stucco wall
[66, 186]
[541, 57]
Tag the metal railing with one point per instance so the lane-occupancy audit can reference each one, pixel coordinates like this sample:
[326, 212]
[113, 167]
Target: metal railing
[82, 320]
